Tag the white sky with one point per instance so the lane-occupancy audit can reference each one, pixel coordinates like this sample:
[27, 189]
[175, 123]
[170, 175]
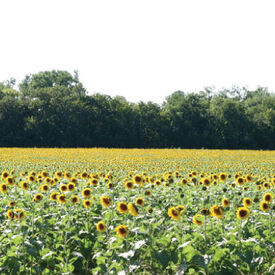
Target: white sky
[143, 50]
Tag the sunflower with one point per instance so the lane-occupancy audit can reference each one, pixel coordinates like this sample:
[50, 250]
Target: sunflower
[268, 197]
[205, 212]
[122, 207]
[243, 213]
[61, 198]
[183, 181]
[87, 203]
[10, 214]
[225, 202]
[74, 199]
[45, 187]
[94, 182]
[71, 186]
[129, 185]
[86, 193]
[58, 174]
[132, 209]
[24, 185]
[63, 188]
[100, 226]
[181, 209]
[67, 175]
[222, 176]
[19, 214]
[139, 201]
[157, 182]
[5, 174]
[137, 179]
[122, 230]
[84, 175]
[247, 202]
[11, 203]
[240, 180]
[110, 185]
[3, 187]
[266, 185]
[44, 174]
[206, 181]
[173, 213]
[31, 178]
[53, 196]
[37, 197]
[47, 180]
[198, 219]
[248, 178]
[10, 180]
[74, 180]
[105, 201]
[217, 211]
[264, 206]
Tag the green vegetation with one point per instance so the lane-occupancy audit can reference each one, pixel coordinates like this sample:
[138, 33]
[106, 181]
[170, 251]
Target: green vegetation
[53, 109]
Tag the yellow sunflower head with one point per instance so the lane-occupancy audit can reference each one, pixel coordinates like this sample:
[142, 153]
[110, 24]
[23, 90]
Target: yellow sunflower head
[122, 230]
[247, 202]
[105, 201]
[198, 219]
[122, 207]
[100, 226]
[217, 211]
[243, 213]
[268, 197]
[225, 202]
[87, 192]
[173, 213]
[139, 201]
[264, 206]
[133, 210]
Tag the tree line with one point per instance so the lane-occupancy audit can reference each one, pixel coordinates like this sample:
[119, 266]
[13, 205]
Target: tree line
[53, 109]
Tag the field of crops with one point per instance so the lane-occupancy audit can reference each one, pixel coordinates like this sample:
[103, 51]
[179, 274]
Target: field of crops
[116, 211]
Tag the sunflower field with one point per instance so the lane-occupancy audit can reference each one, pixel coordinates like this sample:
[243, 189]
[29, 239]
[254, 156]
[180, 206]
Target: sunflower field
[135, 211]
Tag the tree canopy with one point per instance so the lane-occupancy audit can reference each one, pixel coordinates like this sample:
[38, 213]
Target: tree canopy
[53, 109]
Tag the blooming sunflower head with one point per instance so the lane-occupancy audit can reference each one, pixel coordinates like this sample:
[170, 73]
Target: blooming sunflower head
[181, 209]
[100, 226]
[264, 206]
[122, 230]
[53, 196]
[133, 210]
[87, 203]
[19, 214]
[173, 213]
[122, 207]
[74, 199]
[86, 193]
[71, 186]
[10, 214]
[217, 211]
[268, 197]
[138, 179]
[243, 213]
[61, 198]
[63, 188]
[205, 212]
[37, 197]
[225, 202]
[247, 202]
[105, 201]
[197, 219]
[139, 201]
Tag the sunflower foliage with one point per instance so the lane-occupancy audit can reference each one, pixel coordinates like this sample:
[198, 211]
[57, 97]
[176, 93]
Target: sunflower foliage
[115, 211]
